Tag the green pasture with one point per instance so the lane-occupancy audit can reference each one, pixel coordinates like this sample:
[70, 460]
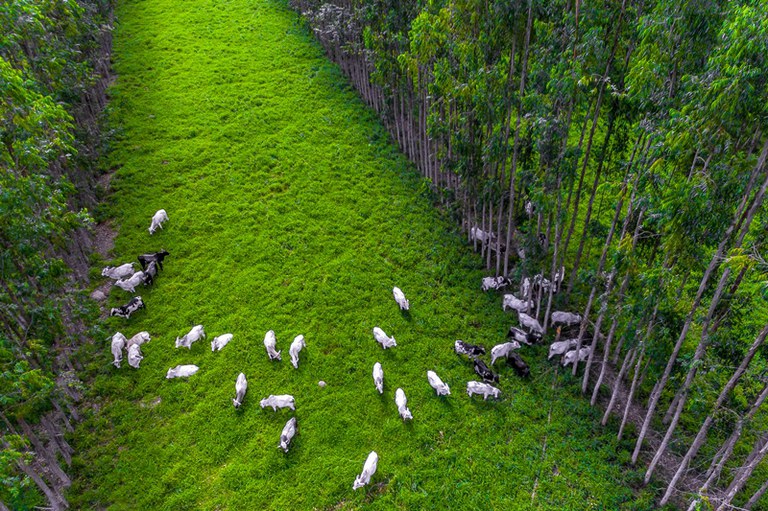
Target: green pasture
[290, 210]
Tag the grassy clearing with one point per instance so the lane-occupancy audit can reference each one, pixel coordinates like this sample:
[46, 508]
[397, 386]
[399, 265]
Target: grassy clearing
[290, 211]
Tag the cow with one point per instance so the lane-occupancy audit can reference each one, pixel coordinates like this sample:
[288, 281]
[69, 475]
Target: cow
[118, 343]
[130, 283]
[368, 470]
[118, 272]
[400, 299]
[270, 341]
[502, 350]
[402, 403]
[182, 371]
[476, 387]
[441, 389]
[560, 347]
[157, 220]
[477, 234]
[378, 377]
[140, 338]
[523, 336]
[512, 302]
[494, 283]
[134, 356]
[193, 335]
[484, 372]
[125, 311]
[470, 350]
[582, 354]
[219, 342]
[296, 345]
[525, 287]
[289, 431]
[530, 323]
[280, 401]
[381, 338]
[565, 318]
[150, 273]
[158, 257]
[241, 385]
[518, 364]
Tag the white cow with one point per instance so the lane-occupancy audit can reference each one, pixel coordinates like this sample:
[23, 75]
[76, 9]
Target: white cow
[565, 318]
[118, 343]
[130, 284]
[281, 401]
[296, 345]
[378, 377]
[289, 430]
[368, 470]
[193, 335]
[530, 323]
[525, 287]
[140, 338]
[402, 403]
[270, 341]
[241, 385]
[381, 338]
[134, 356]
[477, 387]
[440, 388]
[219, 342]
[118, 272]
[512, 302]
[494, 283]
[182, 371]
[400, 299]
[582, 354]
[560, 347]
[157, 220]
[475, 233]
[502, 350]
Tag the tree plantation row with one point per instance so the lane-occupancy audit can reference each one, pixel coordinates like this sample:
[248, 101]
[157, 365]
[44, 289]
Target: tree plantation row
[627, 142]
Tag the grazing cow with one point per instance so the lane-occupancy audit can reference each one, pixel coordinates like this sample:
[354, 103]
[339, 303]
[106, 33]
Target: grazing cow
[440, 388]
[381, 338]
[130, 283]
[182, 371]
[140, 338]
[502, 350]
[281, 401]
[118, 272]
[296, 345]
[470, 350]
[118, 343]
[582, 354]
[530, 323]
[525, 287]
[402, 403]
[560, 347]
[494, 283]
[368, 470]
[289, 431]
[378, 377]
[193, 335]
[400, 299]
[145, 259]
[477, 234]
[150, 273]
[476, 387]
[523, 336]
[219, 342]
[134, 356]
[125, 311]
[270, 341]
[157, 220]
[518, 364]
[512, 302]
[241, 385]
[565, 318]
[485, 373]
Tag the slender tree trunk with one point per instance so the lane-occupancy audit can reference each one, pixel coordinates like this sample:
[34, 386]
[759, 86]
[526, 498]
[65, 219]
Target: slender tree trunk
[745, 472]
[757, 496]
[636, 379]
[629, 359]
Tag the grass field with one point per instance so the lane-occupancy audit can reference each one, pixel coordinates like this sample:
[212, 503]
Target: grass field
[290, 210]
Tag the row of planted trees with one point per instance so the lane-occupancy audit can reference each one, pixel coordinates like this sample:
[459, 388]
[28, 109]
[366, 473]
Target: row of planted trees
[54, 58]
[624, 140]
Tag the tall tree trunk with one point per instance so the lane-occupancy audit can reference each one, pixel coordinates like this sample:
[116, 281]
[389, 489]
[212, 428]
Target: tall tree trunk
[629, 359]
[745, 472]
[757, 496]
[633, 387]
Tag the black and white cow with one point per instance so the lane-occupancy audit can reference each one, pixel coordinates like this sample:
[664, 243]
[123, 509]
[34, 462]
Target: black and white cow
[470, 350]
[523, 336]
[158, 257]
[150, 273]
[486, 374]
[129, 308]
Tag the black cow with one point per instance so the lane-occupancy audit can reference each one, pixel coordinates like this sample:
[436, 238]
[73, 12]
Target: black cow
[486, 374]
[129, 308]
[158, 257]
[518, 364]
[470, 350]
[523, 336]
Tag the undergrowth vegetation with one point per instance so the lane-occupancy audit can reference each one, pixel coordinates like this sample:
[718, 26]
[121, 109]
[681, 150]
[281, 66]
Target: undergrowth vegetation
[290, 210]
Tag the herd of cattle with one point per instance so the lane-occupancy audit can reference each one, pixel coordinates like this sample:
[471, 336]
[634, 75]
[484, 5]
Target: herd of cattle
[530, 333]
